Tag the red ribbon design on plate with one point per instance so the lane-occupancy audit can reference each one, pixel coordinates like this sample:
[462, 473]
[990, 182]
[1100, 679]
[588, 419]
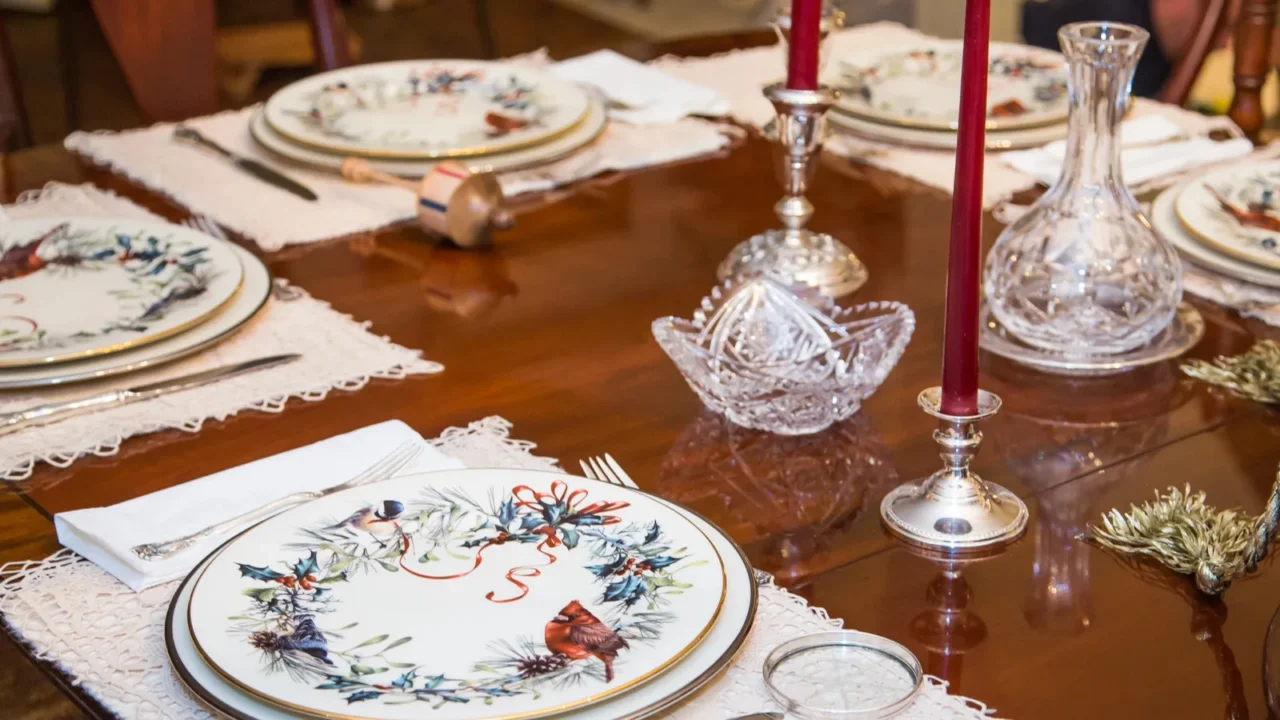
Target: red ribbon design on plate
[529, 499]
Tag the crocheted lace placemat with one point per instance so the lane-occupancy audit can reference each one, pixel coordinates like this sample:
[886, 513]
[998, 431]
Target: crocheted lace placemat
[207, 184]
[110, 640]
[299, 324]
[740, 74]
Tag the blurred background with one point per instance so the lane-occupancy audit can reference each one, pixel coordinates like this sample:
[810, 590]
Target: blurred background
[70, 80]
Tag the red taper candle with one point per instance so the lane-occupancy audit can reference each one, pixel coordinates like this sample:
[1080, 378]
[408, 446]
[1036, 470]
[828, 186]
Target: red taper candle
[960, 329]
[802, 46]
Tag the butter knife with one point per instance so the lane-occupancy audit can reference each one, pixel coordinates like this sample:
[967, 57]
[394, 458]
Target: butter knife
[54, 412]
[249, 165]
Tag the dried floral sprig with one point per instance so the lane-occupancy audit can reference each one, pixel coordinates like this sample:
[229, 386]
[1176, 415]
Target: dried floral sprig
[1255, 374]
[1185, 534]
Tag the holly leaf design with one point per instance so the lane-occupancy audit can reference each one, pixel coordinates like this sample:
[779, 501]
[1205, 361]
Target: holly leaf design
[662, 561]
[529, 522]
[306, 566]
[570, 537]
[363, 695]
[507, 512]
[405, 681]
[607, 569]
[264, 574]
[654, 532]
[262, 595]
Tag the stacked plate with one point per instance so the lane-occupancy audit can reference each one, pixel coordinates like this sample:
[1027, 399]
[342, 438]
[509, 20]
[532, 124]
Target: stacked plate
[911, 96]
[462, 595]
[1227, 221]
[86, 298]
[404, 117]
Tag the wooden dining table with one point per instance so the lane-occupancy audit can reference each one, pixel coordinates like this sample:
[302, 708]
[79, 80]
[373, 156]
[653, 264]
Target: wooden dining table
[550, 328]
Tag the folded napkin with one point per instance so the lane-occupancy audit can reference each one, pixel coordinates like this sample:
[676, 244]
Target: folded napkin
[106, 535]
[1152, 146]
[641, 95]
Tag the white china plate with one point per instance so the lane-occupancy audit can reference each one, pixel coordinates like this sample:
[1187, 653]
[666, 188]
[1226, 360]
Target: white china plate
[704, 663]
[242, 307]
[560, 146]
[1182, 334]
[1164, 219]
[918, 86]
[470, 593]
[426, 108]
[76, 287]
[945, 139]
[1250, 231]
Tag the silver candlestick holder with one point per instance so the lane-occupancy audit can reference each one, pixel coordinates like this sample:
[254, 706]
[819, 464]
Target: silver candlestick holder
[794, 253]
[954, 510]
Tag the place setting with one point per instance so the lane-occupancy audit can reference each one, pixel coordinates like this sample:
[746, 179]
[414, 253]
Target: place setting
[333, 154]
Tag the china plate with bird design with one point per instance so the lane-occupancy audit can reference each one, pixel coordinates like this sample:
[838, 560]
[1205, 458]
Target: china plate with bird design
[72, 288]
[1165, 221]
[1236, 211]
[916, 87]
[225, 322]
[471, 593]
[426, 109]
[554, 149]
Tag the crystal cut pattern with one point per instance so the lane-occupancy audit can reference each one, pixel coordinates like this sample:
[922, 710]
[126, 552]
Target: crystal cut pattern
[1083, 273]
[770, 360]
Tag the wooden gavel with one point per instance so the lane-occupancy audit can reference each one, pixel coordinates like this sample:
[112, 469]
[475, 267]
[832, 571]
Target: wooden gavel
[452, 201]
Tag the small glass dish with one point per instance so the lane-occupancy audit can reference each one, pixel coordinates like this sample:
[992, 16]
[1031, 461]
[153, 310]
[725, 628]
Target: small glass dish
[770, 359]
[842, 675]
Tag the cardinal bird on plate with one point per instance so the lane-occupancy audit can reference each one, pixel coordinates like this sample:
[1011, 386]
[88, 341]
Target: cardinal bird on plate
[577, 634]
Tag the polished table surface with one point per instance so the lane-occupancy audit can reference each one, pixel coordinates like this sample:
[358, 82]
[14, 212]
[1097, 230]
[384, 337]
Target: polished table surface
[550, 329]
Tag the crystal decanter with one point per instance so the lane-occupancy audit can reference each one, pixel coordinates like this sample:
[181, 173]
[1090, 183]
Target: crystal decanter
[1082, 272]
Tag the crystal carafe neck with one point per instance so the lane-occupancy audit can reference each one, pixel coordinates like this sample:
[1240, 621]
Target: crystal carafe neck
[1100, 76]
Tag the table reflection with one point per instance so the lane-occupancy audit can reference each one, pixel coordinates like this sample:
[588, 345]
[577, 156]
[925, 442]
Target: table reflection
[796, 495]
[1069, 452]
[466, 283]
[948, 629]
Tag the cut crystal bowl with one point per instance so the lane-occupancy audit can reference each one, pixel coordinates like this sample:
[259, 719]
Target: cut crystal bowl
[768, 359]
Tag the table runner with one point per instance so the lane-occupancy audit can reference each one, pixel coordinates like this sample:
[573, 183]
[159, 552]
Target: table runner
[301, 324]
[110, 641]
[740, 74]
[207, 184]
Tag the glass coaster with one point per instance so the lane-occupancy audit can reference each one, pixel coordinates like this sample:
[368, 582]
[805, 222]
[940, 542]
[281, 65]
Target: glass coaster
[1183, 333]
[841, 675]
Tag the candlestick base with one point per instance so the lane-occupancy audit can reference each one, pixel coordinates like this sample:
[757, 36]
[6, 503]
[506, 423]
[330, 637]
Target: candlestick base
[795, 254]
[954, 510]
[815, 259]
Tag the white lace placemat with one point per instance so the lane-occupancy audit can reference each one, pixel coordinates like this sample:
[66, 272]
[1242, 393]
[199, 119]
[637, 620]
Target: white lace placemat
[110, 640]
[207, 184]
[301, 324]
[740, 74]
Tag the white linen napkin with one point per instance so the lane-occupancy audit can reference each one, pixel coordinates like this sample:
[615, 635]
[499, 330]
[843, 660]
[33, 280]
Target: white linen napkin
[105, 535]
[644, 95]
[1152, 146]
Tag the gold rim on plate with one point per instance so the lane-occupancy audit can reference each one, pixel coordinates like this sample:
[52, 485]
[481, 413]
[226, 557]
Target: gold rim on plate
[531, 715]
[137, 342]
[496, 147]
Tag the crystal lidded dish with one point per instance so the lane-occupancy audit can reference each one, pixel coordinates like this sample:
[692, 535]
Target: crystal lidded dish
[772, 360]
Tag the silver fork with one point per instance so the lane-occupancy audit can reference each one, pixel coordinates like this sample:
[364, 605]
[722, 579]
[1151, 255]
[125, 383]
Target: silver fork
[606, 469]
[384, 469]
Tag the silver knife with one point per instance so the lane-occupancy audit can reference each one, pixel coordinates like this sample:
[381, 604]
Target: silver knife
[54, 412]
[249, 165]
[762, 716]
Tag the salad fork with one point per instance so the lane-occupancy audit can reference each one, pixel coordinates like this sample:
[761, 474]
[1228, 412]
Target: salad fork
[384, 469]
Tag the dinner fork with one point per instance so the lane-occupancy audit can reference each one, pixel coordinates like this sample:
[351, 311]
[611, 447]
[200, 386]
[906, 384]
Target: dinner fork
[606, 469]
[384, 469]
